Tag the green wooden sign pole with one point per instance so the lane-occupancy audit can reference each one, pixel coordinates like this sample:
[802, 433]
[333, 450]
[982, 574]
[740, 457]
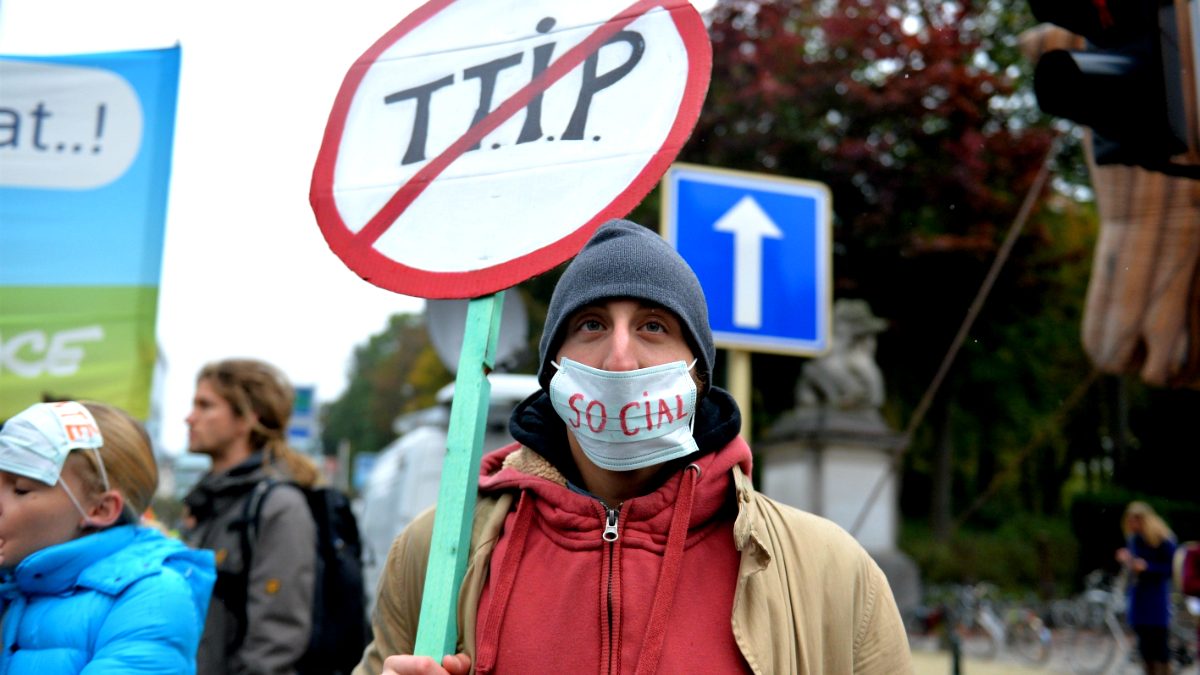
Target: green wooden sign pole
[437, 632]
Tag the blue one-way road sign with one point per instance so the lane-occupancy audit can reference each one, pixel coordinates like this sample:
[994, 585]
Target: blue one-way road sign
[760, 245]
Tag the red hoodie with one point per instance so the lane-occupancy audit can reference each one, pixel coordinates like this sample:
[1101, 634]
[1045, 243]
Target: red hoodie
[560, 597]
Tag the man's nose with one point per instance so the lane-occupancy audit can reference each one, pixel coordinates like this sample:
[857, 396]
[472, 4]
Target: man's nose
[620, 356]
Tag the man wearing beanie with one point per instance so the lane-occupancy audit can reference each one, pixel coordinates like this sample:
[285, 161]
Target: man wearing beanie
[621, 533]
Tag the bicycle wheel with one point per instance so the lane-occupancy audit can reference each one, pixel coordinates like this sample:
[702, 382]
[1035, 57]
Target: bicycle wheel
[975, 641]
[1031, 640]
[1090, 650]
[1183, 650]
[1066, 614]
[1185, 663]
[1129, 662]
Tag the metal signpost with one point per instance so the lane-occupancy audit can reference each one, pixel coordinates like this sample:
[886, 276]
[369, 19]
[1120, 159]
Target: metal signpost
[302, 425]
[480, 143]
[760, 245]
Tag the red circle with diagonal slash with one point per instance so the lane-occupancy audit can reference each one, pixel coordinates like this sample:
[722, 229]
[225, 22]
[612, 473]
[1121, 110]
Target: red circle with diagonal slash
[357, 250]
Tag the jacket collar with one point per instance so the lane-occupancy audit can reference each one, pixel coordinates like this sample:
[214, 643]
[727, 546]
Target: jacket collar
[56, 569]
[215, 491]
[576, 514]
[746, 535]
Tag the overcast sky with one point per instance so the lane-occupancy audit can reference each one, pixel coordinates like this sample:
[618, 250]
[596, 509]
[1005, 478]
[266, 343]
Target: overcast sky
[246, 271]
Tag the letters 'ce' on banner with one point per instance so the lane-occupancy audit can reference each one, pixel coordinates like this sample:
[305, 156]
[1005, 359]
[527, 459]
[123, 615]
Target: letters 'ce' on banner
[85, 157]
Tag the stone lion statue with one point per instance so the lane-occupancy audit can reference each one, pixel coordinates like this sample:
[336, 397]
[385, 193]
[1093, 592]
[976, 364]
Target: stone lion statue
[847, 377]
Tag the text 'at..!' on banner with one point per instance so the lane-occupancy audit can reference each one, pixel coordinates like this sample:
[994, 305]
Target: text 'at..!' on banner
[85, 157]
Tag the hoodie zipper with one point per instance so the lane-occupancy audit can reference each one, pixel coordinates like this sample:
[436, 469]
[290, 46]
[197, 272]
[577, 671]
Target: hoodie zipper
[610, 524]
[610, 536]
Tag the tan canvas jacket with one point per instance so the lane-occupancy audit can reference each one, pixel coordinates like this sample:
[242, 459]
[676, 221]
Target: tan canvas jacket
[809, 599]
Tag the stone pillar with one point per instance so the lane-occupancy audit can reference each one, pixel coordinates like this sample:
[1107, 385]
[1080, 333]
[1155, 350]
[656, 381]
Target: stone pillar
[828, 454]
[829, 465]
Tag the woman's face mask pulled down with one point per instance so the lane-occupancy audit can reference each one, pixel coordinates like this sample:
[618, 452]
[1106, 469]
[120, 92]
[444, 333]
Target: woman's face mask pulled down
[623, 385]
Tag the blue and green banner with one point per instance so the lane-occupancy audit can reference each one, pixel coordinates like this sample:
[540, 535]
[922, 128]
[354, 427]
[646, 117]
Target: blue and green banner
[85, 160]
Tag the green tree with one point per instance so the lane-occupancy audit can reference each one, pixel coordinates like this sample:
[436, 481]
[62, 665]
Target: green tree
[394, 372]
[917, 115]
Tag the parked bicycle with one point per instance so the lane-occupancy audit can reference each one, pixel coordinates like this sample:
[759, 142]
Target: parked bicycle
[1028, 635]
[985, 626]
[982, 626]
[1098, 628]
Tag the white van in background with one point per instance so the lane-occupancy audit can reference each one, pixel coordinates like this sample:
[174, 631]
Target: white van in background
[405, 477]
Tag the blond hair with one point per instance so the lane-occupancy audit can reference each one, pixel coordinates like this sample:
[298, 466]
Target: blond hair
[1154, 529]
[127, 454]
[260, 392]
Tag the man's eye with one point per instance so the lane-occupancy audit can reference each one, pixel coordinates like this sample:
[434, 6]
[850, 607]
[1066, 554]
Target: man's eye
[655, 327]
[590, 325]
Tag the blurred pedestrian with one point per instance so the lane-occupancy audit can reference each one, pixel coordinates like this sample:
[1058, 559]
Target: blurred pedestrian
[261, 614]
[1148, 555]
[621, 531]
[83, 586]
[1187, 579]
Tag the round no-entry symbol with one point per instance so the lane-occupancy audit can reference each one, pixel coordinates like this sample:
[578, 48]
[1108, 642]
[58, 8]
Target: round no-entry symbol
[479, 143]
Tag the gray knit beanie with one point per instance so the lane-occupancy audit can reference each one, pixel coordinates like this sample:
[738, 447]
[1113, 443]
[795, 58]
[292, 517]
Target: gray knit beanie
[626, 260]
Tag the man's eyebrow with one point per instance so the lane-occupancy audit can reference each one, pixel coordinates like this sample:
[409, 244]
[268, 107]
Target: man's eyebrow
[584, 309]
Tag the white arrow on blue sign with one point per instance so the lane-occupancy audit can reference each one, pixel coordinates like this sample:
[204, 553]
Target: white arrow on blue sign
[760, 245]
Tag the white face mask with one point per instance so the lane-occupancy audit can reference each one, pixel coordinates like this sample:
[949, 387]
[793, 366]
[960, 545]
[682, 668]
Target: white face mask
[630, 419]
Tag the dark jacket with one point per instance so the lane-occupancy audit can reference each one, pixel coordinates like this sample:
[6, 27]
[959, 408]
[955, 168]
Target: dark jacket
[278, 596]
[1149, 590]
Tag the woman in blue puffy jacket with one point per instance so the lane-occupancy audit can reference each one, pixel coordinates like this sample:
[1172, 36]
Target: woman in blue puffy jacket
[84, 588]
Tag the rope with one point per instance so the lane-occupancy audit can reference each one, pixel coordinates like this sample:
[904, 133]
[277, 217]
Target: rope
[1010, 240]
[998, 480]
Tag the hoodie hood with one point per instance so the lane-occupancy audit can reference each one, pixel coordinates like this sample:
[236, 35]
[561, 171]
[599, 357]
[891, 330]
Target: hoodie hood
[657, 550]
[541, 462]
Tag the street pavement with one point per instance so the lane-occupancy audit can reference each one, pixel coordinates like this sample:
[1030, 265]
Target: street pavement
[930, 662]
[928, 659]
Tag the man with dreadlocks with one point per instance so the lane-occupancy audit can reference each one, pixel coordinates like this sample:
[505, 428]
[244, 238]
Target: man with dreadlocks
[261, 612]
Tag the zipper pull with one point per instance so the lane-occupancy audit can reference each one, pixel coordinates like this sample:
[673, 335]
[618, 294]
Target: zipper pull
[610, 525]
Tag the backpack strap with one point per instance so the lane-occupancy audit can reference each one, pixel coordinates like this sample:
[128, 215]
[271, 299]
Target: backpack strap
[252, 514]
[247, 527]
